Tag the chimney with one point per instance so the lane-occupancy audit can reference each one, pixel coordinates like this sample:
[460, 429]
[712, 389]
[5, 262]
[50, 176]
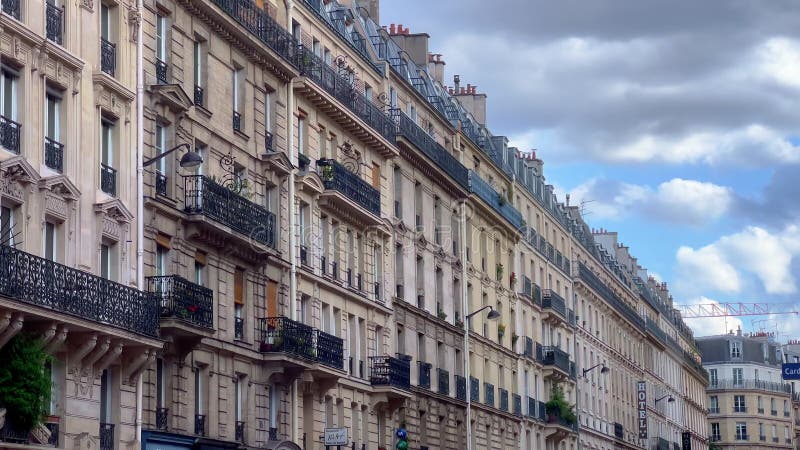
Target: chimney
[457, 83]
[739, 330]
[436, 67]
[416, 45]
[391, 29]
[372, 7]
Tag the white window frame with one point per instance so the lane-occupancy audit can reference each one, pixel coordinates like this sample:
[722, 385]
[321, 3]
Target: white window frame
[161, 146]
[107, 137]
[161, 260]
[7, 234]
[105, 22]
[52, 101]
[105, 260]
[236, 88]
[161, 38]
[198, 391]
[268, 112]
[7, 74]
[198, 63]
[50, 230]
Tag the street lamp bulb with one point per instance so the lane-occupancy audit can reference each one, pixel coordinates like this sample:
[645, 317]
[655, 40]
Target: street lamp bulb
[671, 399]
[493, 315]
[605, 369]
[191, 159]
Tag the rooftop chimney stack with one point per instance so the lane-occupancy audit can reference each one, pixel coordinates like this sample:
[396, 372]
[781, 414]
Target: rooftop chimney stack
[436, 67]
[415, 45]
[457, 83]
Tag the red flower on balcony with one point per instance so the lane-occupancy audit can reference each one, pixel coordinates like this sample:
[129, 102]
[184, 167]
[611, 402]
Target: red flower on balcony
[192, 309]
[513, 278]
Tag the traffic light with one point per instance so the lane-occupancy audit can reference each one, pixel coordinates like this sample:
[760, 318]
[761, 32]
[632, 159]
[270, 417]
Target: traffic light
[402, 439]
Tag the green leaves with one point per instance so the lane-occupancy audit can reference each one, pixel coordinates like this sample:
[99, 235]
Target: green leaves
[24, 383]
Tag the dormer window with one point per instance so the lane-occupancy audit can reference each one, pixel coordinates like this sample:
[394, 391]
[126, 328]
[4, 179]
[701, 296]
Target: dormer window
[736, 349]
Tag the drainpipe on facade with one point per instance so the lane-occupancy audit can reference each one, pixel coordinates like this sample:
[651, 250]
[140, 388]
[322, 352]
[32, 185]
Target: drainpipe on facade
[292, 221]
[139, 196]
[465, 309]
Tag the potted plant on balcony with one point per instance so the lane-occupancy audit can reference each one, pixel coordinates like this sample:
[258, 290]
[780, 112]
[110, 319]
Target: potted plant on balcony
[513, 279]
[24, 384]
[514, 338]
[273, 341]
[501, 330]
[441, 314]
[558, 407]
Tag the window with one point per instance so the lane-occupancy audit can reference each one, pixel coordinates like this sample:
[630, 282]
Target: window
[772, 407]
[199, 391]
[108, 174]
[713, 407]
[268, 114]
[8, 109]
[301, 134]
[736, 349]
[238, 95]
[712, 377]
[316, 47]
[105, 22]
[7, 231]
[105, 397]
[199, 268]
[161, 49]
[738, 377]
[50, 239]
[108, 51]
[53, 155]
[761, 431]
[161, 383]
[161, 146]
[237, 387]
[328, 56]
[161, 260]
[368, 92]
[55, 369]
[715, 434]
[108, 269]
[392, 97]
[739, 403]
[238, 303]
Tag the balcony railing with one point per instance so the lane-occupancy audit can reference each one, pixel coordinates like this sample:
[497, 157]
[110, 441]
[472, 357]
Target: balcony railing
[198, 96]
[554, 356]
[527, 287]
[283, 335]
[653, 328]
[751, 384]
[239, 431]
[162, 419]
[161, 71]
[591, 280]
[200, 424]
[528, 350]
[238, 328]
[41, 282]
[619, 430]
[106, 436]
[11, 7]
[550, 299]
[517, 400]
[531, 407]
[495, 200]
[541, 414]
[390, 371]
[108, 180]
[443, 378]
[474, 390]
[55, 23]
[11, 435]
[161, 184]
[237, 121]
[337, 177]
[329, 79]
[9, 131]
[108, 56]
[537, 295]
[181, 299]
[53, 153]
[503, 399]
[461, 388]
[204, 196]
[488, 393]
[424, 371]
[408, 129]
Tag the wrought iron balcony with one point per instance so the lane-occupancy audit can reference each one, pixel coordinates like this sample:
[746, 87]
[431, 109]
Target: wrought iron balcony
[53, 153]
[181, 299]
[239, 432]
[20, 438]
[488, 393]
[527, 287]
[11, 7]
[161, 184]
[550, 299]
[503, 399]
[283, 335]
[553, 356]
[537, 295]
[517, 400]
[339, 87]
[41, 282]
[204, 196]
[424, 374]
[200, 424]
[461, 387]
[162, 419]
[443, 377]
[619, 430]
[238, 328]
[198, 96]
[588, 278]
[474, 389]
[390, 371]
[106, 436]
[9, 132]
[55, 23]
[258, 22]
[161, 71]
[108, 180]
[528, 351]
[495, 200]
[655, 331]
[337, 177]
[541, 413]
[531, 407]
[409, 130]
[237, 121]
[108, 56]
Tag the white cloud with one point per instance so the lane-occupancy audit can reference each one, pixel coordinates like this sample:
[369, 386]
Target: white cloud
[711, 326]
[779, 59]
[677, 200]
[753, 252]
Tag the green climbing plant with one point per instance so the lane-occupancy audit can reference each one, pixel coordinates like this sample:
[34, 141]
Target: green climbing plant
[24, 384]
[558, 405]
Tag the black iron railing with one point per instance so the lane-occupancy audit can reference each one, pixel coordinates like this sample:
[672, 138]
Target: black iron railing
[55, 23]
[495, 200]
[590, 279]
[53, 154]
[443, 378]
[283, 335]
[474, 390]
[461, 387]
[162, 419]
[268, 141]
[108, 56]
[11, 7]
[516, 399]
[550, 299]
[503, 399]
[45, 283]
[9, 133]
[237, 121]
[238, 328]
[528, 350]
[303, 255]
[488, 393]
[619, 430]
[408, 129]
[527, 287]
[653, 328]
[204, 196]
[161, 71]
[198, 95]
[554, 356]
[541, 413]
[239, 432]
[751, 384]
[181, 299]
[537, 295]
[337, 177]
[329, 79]
[161, 184]
[200, 424]
[390, 371]
[273, 434]
[424, 374]
[106, 436]
[108, 180]
[531, 407]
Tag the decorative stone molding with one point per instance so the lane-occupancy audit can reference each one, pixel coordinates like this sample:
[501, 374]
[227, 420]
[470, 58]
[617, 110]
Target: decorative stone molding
[87, 5]
[114, 219]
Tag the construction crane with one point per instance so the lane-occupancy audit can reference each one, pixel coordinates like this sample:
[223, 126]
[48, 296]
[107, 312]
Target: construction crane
[736, 309]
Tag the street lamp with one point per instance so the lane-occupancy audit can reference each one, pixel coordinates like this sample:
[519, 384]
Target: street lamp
[604, 369]
[671, 399]
[493, 315]
[189, 160]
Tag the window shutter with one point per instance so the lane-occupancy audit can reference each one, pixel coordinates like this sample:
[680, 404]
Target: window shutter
[238, 287]
[272, 299]
[163, 240]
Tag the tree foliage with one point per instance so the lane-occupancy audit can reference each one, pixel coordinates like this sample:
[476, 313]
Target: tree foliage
[24, 384]
[558, 405]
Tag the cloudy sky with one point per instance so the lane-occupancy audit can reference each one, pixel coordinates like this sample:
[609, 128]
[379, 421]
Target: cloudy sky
[675, 123]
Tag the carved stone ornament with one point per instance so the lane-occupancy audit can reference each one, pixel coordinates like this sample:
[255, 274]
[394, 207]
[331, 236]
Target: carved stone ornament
[88, 4]
[134, 21]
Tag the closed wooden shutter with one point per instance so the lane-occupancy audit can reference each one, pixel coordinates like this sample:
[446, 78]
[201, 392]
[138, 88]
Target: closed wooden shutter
[272, 299]
[201, 257]
[238, 287]
[376, 176]
[163, 240]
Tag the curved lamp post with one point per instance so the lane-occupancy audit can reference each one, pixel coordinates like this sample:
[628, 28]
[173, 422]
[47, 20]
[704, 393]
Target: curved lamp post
[492, 315]
[189, 160]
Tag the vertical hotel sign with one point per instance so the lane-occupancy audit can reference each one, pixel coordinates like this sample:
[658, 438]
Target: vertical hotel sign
[641, 401]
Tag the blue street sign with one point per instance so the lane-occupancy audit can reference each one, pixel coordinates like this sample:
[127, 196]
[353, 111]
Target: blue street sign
[791, 371]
